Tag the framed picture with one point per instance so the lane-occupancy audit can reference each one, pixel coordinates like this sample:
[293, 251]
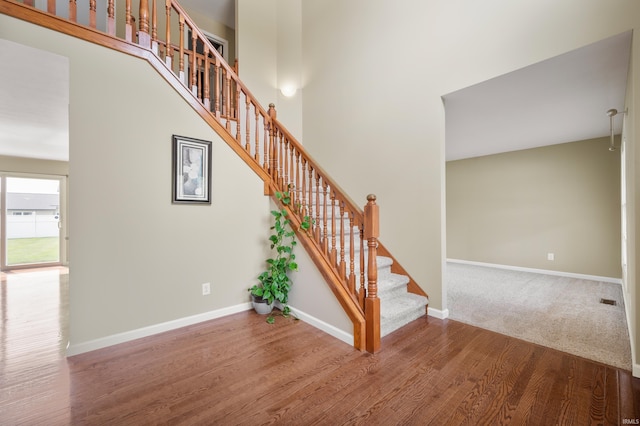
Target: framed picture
[191, 168]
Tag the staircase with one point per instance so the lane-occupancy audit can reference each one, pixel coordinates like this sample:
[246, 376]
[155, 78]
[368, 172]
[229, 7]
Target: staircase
[398, 307]
[343, 239]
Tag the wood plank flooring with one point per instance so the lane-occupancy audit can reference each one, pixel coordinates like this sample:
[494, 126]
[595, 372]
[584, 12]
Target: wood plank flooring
[239, 370]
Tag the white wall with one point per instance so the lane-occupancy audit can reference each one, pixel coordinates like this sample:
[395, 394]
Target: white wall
[632, 162]
[129, 273]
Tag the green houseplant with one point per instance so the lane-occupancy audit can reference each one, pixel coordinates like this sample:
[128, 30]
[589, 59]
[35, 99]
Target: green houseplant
[275, 283]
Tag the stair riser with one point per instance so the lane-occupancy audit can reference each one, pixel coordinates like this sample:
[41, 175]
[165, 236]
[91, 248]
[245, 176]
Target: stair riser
[407, 317]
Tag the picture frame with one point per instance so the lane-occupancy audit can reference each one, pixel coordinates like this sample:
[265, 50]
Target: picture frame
[191, 170]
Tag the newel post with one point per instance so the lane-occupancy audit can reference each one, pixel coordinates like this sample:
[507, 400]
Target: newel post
[372, 302]
[272, 146]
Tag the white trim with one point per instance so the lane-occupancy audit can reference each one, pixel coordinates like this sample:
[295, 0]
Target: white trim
[127, 336]
[635, 367]
[540, 271]
[323, 326]
[437, 313]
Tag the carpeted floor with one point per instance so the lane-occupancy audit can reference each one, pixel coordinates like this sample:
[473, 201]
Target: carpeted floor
[558, 312]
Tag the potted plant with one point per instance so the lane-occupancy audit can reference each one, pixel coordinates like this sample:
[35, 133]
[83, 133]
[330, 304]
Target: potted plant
[275, 282]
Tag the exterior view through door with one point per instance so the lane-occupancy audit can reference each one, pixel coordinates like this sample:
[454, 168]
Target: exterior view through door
[31, 221]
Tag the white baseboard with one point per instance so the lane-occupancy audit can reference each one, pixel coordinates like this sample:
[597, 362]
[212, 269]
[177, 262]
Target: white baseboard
[321, 325]
[540, 271]
[437, 313]
[127, 336]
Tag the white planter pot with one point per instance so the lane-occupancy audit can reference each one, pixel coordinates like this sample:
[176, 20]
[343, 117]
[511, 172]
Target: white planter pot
[261, 306]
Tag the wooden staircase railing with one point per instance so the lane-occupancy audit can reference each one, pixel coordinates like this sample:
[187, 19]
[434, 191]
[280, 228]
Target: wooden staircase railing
[183, 55]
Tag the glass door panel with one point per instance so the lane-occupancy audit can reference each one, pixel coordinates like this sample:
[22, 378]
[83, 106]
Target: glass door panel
[32, 231]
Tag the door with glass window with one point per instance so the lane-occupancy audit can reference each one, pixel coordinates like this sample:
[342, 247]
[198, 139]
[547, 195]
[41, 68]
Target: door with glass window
[31, 221]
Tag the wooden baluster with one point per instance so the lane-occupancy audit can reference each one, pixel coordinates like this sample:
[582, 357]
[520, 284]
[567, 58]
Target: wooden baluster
[51, 6]
[352, 266]
[272, 148]
[247, 142]
[181, 49]
[92, 13]
[128, 32]
[372, 302]
[257, 141]
[265, 152]
[334, 253]
[199, 77]
[297, 182]
[223, 80]
[325, 229]
[292, 173]
[154, 28]
[303, 183]
[193, 71]
[285, 166]
[237, 112]
[205, 88]
[310, 199]
[317, 207]
[111, 18]
[169, 55]
[144, 39]
[31, 3]
[362, 291]
[73, 11]
[280, 147]
[343, 272]
[227, 101]
[217, 90]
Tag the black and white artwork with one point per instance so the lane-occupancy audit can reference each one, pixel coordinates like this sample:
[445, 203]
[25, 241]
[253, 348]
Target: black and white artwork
[191, 170]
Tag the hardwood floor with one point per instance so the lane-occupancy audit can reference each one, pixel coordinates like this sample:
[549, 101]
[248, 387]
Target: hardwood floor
[239, 370]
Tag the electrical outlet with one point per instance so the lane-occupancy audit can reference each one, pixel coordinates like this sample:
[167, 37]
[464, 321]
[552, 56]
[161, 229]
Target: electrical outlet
[551, 256]
[206, 289]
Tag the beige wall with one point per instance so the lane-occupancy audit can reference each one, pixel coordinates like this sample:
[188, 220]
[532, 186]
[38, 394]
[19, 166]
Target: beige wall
[33, 165]
[137, 259]
[269, 49]
[257, 38]
[514, 208]
[374, 72]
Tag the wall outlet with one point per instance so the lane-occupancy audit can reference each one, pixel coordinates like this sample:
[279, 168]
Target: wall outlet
[206, 289]
[551, 256]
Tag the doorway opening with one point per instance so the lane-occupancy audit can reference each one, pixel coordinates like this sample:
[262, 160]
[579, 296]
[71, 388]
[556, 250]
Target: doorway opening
[31, 221]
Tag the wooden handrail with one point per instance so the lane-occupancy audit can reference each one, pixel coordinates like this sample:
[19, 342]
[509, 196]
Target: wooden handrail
[213, 88]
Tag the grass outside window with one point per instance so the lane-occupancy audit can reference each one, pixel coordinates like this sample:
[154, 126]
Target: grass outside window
[33, 250]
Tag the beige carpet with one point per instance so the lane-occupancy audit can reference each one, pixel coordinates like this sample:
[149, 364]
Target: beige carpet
[557, 312]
